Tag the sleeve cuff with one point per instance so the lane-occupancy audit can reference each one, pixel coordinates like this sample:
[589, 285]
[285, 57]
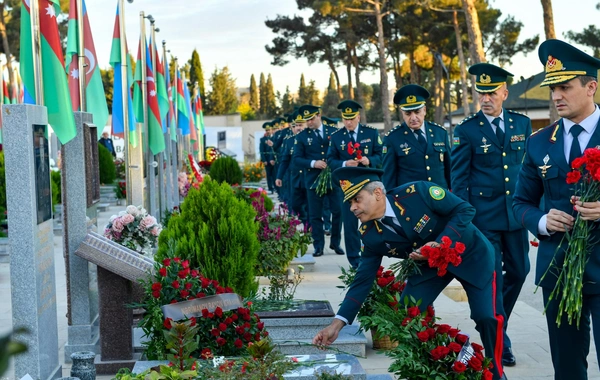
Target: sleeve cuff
[312, 163]
[542, 226]
[341, 319]
[344, 164]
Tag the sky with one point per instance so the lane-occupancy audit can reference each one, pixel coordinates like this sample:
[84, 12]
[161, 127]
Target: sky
[233, 33]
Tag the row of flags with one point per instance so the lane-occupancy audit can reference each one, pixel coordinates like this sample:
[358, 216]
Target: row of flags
[61, 92]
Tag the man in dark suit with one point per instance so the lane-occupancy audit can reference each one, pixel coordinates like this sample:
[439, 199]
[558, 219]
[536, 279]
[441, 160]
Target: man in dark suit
[267, 156]
[543, 203]
[416, 150]
[309, 155]
[107, 142]
[488, 149]
[342, 153]
[294, 176]
[398, 224]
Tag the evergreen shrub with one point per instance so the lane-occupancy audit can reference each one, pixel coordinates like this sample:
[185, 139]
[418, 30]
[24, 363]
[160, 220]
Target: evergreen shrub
[226, 169]
[217, 233]
[108, 172]
[56, 188]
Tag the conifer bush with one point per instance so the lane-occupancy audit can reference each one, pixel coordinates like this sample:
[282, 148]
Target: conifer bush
[108, 172]
[226, 169]
[217, 233]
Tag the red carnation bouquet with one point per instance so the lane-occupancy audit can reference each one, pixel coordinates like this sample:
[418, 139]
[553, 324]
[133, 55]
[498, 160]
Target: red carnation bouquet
[441, 255]
[353, 149]
[585, 178]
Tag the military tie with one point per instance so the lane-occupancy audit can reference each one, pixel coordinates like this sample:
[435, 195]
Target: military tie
[318, 132]
[352, 137]
[420, 138]
[575, 147]
[499, 131]
[392, 223]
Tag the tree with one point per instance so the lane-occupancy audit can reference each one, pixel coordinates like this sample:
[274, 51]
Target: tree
[271, 102]
[196, 74]
[331, 99]
[286, 101]
[475, 41]
[253, 102]
[590, 37]
[107, 82]
[303, 97]
[262, 88]
[502, 44]
[550, 34]
[222, 99]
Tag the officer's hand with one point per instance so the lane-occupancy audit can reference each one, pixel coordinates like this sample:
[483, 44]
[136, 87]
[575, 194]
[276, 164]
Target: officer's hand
[588, 210]
[558, 221]
[272, 162]
[351, 163]
[365, 161]
[329, 334]
[269, 143]
[416, 255]
[320, 164]
[278, 183]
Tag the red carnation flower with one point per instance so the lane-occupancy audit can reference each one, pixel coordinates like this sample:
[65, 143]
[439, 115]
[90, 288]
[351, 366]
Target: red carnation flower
[185, 263]
[182, 274]
[406, 321]
[156, 294]
[156, 286]
[453, 333]
[578, 162]
[487, 375]
[238, 343]
[214, 332]
[193, 321]
[204, 312]
[219, 312]
[443, 329]
[167, 323]
[477, 347]
[234, 317]
[260, 325]
[573, 177]
[221, 341]
[205, 283]
[177, 260]
[423, 336]
[413, 311]
[239, 330]
[206, 353]
[201, 295]
[534, 243]
[188, 285]
[461, 338]
[163, 272]
[184, 293]
[222, 326]
[459, 367]
[475, 364]
[167, 262]
[430, 311]
[247, 336]
[175, 284]
[454, 347]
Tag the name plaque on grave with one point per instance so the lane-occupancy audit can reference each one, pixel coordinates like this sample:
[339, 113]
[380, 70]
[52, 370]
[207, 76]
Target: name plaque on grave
[92, 171]
[193, 308]
[42, 173]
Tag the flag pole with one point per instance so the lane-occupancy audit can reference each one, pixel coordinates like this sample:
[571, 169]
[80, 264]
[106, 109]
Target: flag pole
[37, 52]
[125, 105]
[150, 188]
[81, 58]
[169, 193]
[159, 157]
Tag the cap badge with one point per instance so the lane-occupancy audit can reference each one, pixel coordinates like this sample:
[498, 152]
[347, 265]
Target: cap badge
[306, 112]
[411, 99]
[484, 78]
[553, 64]
[348, 110]
[345, 185]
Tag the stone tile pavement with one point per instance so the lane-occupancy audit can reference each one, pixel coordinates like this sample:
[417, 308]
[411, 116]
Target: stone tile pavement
[527, 326]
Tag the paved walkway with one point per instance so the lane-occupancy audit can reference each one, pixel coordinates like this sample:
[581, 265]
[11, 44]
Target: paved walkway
[527, 325]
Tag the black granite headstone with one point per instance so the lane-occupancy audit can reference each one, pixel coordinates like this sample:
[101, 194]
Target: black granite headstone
[42, 173]
[92, 168]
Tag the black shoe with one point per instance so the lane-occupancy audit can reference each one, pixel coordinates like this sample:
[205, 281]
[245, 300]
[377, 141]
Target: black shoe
[508, 359]
[327, 232]
[337, 249]
[318, 253]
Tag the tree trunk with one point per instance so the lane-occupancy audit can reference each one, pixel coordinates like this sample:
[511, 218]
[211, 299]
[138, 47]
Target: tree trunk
[438, 92]
[463, 66]
[337, 78]
[475, 41]
[359, 95]
[349, 70]
[550, 34]
[385, 96]
[414, 69]
[397, 70]
[6, 48]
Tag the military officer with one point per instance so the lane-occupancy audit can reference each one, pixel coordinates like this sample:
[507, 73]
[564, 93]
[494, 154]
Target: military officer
[329, 121]
[416, 150]
[542, 201]
[344, 153]
[486, 159]
[267, 155]
[289, 175]
[398, 224]
[310, 156]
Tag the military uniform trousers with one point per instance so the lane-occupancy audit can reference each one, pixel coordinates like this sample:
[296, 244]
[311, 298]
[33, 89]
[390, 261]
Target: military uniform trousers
[351, 234]
[271, 174]
[315, 212]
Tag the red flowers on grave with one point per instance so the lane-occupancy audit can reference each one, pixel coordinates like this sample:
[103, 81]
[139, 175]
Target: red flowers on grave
[353, 149]
[576, 245]
[443, 254]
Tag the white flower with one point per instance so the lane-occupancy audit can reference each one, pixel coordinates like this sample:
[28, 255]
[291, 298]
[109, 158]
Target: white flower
[112, 218]
[132, 210]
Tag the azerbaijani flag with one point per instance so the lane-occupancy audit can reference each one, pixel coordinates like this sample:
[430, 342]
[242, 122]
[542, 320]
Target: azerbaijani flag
[188, 105]
[138, 106]
[161, 89]
[199, 119]
[56, 92]
[94, 90]
[183, 120]
[156, 139]
[118, 118]
[171, 116]
[5, 97]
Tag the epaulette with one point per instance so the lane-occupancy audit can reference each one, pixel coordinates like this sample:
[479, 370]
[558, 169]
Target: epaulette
[336, 131]
[368, 126]
[553, 125]
[365, 227]
[467, 118]
[517, 113]
[393, 129]
[437, 125]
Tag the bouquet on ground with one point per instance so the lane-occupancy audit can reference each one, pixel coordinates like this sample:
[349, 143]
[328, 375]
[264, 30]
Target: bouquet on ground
[441, 255]
[183, 184]
[428, 350]
[135, 229]
[568, 290]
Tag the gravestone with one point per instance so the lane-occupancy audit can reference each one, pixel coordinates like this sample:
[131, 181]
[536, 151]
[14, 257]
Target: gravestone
[80, 195]
[28, 192]
[118, 267]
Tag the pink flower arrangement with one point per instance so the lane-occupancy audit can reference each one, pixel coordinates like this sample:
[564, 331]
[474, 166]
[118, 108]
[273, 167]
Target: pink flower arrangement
[134, 229]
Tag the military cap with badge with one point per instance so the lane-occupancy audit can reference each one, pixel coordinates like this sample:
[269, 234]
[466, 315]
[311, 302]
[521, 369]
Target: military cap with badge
[488, 77]
[411, 97]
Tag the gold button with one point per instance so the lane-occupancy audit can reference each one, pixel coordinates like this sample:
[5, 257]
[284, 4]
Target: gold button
[430, 230]
[426, 157]
[507, 192]
[429, 178]
[322, 152]
[519, 148]
[428, 168]
[414, 244]
[300, 171]
[503, 154]
[407, 219]
[505, 167]
[506, 179]
[480, 193]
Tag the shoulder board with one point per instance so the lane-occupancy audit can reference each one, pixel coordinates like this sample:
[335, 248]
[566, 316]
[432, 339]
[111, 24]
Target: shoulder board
[517, 113]
[467, 118]
[393, 129]
[365, 227]
[368, 126]
[287, 137]
[548, 127]
[437, 125]
[336, 131]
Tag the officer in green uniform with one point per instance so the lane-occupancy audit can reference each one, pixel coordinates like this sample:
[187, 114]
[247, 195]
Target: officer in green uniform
[267, 155]
[343, 152]
[416, 150]
[486, 159]
[543, 204]
[310, 155]
[398, 224]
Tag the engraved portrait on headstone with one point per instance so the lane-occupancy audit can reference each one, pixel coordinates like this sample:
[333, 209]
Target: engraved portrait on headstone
[42, 173]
